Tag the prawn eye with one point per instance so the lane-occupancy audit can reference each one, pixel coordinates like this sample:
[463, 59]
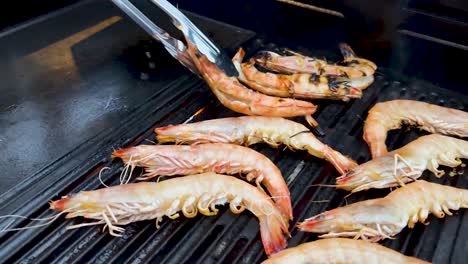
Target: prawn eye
[320, 218]
[323, 217]
[349, 173]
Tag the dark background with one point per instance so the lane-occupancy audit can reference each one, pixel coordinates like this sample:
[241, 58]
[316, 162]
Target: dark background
[422, 38]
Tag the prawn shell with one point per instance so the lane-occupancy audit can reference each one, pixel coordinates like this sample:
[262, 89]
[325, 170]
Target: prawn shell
[248, 130]
[231, 159]
[149, 200]
[308, 86]
[390, 115]
[235, 96]
[340, 250]
[381, 218]
[406, 163]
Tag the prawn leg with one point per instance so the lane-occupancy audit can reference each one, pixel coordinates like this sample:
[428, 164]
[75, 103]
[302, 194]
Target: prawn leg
[382, 218]
[406, 164]
[231, 159]
[151, 200]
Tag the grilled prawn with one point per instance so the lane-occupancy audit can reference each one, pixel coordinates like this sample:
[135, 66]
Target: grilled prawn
[248, 130]
[351, 67]
[406, 164]
[235, 96]
[215, 157]
[392, 114]
[124, 204]
[381, 218]
[340, 250]
[301, 85]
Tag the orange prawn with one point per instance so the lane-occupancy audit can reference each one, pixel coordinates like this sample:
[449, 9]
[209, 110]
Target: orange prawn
[340, 250]
[391, 115]
[300, 85]
[124, 204]
[381, 218]
[248, 130]
[351, 67]
[406, 163]
[215, 157]
[235, 96]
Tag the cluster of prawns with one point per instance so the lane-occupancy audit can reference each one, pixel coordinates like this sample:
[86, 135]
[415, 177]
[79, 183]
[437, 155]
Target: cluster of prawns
[377, 219]
[216, 150]
[277, 92]
[219, 148]
[215, 153]
[385, 217]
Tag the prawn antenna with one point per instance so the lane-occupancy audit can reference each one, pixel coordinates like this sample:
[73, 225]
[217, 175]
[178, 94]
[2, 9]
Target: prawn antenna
[49, 220]
[348, 195]
[316, 129]
[324, 185]
[320, 201]
[100, 174]
[151, 141]
[278, 196]
[294, 52]
[126, 175]
[301, 132]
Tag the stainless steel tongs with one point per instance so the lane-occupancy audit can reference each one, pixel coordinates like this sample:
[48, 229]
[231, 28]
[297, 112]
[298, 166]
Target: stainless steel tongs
[174, 46]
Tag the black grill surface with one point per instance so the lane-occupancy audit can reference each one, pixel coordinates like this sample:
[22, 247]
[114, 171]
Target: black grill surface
[224, 238]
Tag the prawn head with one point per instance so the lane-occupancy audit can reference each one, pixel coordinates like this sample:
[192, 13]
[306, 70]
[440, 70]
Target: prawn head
[368, 220]
[383, 172]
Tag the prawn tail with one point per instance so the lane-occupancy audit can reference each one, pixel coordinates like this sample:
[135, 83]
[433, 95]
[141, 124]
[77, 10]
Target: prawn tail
[346, 51]
[378, 149]
[273, 230]
[342, 163]
[284, 205]
[282, 198]
[239, 56]
[375, 135]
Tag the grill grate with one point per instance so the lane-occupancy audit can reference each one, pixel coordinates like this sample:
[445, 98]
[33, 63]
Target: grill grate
[227, 238]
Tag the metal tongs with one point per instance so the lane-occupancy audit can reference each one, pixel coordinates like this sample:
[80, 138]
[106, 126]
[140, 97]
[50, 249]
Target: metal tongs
[175, 47]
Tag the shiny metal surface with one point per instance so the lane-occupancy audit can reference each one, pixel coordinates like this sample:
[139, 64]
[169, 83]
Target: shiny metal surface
[198, 38]
[69, 78]
[174, 46]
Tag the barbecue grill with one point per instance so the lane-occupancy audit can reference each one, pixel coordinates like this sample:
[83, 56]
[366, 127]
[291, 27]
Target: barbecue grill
[84, 80]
